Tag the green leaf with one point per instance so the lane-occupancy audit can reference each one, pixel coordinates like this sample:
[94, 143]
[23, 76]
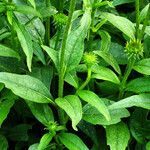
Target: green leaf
[72, 141]
[144, 12]
[19, 132]
[72, 106]
[52, 54]
[26, 87]
[32, 2]
[120, 2]
[33, 146]
[92, 115]
[45, 140]
[27, 10]
[139, 125]
[108, 57]
[95, 101]
[5, 107]
[4, 143]
[42, 112]
[141, 100]
[25, 41]
[139, 85]
[8, 52]
[75, 42]
[2, 7]
[143, 66]
[106, 40]
[72, 79]
[148, 146]
[122, 23]
[104, 73]
[118, 136]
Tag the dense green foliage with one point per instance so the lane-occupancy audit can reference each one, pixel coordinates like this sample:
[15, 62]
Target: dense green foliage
[74, 74]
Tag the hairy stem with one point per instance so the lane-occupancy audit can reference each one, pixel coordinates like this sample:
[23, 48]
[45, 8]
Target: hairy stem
[137, 7]
[62, 56]
[47, 34]
[127, 73]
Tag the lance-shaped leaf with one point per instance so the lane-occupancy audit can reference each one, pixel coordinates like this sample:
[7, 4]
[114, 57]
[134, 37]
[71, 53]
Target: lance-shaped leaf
[75, 42]
[143, 66]
[25, 41]
[72, 141]
[104, 73]
[5, 107]
[118, 136]
[142, 100]
[32, 2]
[42, 112]
[122, 23]
[139, 85]
[72, 106]
[94, 101]
[8, 52]
[26, 87]
[45, 140]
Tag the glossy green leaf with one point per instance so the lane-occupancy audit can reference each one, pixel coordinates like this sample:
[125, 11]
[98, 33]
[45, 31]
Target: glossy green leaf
[42, 112]
[140, 125]
[5, 107]
[141, 100]
[92, 115]
[106, 40]
[118, 136]
[143, 66]
[52, 54]
[144, 12]
[26, 87]
[8, 52]
[4, 143]
[45, 140]
[75, 42]
[108, 57]
[104, 73]
[72, 106]
[25, 41]
[122, 23]
[72, 141]
[95, 101]
[24, 9]
[139, 85]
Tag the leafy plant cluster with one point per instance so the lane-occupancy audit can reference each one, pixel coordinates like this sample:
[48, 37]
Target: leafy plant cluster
[74, 74]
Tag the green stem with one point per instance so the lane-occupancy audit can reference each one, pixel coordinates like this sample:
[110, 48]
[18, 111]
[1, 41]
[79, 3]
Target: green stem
[145, 23]
[57, 38]
[47, 34]
[87, 80]
[137, 7]
[62, 56]
[61, 5]
[127, 73]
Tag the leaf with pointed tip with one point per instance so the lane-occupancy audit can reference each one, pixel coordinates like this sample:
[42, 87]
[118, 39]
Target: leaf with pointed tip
[118, 136]
[26, 87]
[95, 101]
[142, 100]
[8, 52]
[104, 73]
[72, 141]
[122, 23]
[25, 41]
[72, 106]
[45, 140]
